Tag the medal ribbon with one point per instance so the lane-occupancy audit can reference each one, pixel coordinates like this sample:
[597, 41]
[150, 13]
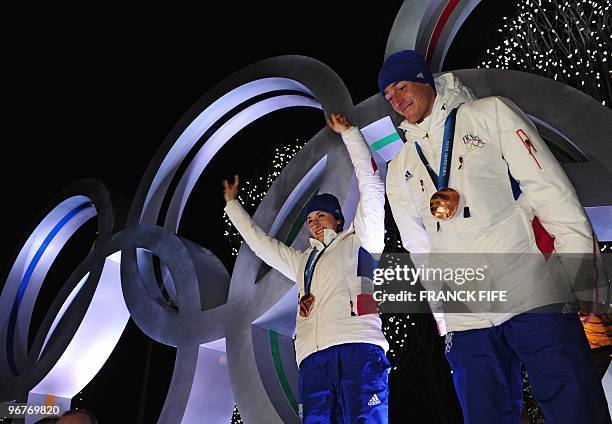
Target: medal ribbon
[310, 266]
[308, 271]
[441, 180]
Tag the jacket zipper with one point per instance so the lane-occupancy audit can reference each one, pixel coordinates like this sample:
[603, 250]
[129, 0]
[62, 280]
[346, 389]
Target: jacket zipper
[314, 269]
[528, 145]
[315, 310]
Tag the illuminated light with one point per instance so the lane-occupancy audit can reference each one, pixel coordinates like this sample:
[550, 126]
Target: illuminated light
[527, 46]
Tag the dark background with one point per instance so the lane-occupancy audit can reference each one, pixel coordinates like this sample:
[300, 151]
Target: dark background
[93, 93]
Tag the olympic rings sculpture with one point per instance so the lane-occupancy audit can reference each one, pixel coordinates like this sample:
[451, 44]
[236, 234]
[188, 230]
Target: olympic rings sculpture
[233, 333]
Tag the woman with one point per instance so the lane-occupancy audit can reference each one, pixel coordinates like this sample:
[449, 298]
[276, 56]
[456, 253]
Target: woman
[340, 347]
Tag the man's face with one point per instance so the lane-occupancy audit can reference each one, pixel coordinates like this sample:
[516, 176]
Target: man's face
[413, 100]
[317, 221]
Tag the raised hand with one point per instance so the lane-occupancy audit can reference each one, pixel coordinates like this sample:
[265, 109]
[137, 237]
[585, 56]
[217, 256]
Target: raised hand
[338, 123]
[230, 191]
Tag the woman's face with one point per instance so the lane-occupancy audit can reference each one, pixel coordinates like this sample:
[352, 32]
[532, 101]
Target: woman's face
[318, 221]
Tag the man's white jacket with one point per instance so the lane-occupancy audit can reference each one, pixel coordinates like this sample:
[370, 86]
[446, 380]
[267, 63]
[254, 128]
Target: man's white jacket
[492, 139]
[336, 283]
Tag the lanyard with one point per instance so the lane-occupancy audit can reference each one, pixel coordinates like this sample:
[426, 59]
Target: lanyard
[441, 180]
[310, 265]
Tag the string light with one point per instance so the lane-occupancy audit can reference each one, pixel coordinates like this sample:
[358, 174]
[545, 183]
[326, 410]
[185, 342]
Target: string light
[532, 44]
[252, 192]
[236, 416]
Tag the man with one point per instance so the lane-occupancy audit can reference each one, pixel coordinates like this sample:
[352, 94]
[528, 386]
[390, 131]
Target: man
[340, 347]
[496, 175]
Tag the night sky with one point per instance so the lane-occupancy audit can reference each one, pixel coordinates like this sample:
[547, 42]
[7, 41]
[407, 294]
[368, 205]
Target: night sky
[93, 93]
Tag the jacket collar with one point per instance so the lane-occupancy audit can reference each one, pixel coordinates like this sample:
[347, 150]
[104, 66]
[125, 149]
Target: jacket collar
[450, 93]
[328, 236]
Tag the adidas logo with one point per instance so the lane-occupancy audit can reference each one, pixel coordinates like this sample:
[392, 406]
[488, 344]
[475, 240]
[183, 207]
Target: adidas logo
[374, 400]
[420, 75]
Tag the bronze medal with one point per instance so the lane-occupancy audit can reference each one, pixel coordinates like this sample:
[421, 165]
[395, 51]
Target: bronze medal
[444, 203]
[306, 304]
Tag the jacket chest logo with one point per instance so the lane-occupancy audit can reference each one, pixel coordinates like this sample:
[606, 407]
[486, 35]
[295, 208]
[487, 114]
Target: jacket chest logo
[407, 175]
[472, 141]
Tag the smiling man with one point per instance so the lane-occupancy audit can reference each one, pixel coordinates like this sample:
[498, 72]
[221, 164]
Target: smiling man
[339, 345]
[495, 176]
[413, 100]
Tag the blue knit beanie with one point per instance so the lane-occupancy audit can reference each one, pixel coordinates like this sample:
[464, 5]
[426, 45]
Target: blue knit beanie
[327, 203]
[406, 65]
